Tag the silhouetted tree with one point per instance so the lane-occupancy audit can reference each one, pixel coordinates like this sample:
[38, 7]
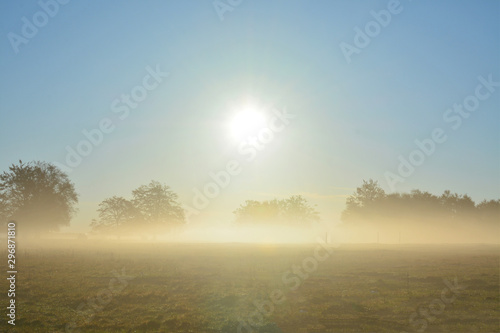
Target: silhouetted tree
[38, 195]
[489, 211]
[457, 206]
[157, 205]
[259, 211]
[422, 206]
[292, 211]
[297, 211]
[362, 202]
[153, 208]
[116, 215]
[370, 203]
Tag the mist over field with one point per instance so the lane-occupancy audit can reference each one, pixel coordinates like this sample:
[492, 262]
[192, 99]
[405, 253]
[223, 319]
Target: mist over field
[409, 233]
[250, 166]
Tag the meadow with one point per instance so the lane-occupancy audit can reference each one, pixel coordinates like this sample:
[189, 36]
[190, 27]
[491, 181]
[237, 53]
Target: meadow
[93, 286]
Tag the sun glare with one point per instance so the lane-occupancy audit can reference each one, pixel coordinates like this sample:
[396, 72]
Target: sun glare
[247, 122]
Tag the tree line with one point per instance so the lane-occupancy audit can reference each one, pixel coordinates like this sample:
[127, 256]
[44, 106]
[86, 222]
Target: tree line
[42, 199]
[370, 203]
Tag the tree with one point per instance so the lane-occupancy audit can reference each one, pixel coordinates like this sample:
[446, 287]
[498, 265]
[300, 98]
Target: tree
[38, 195]
[153, 207]
[296, 210]
[252, 211]
[362, 202]
[116, 214]
[370, 203]
[457, 206]
[422, 206]
[489, 211]
[157, 204]
[292, 211]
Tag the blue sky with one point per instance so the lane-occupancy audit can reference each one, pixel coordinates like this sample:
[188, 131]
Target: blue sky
[352, 119]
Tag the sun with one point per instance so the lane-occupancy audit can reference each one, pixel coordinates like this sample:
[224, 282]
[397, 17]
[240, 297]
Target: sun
[247, 121]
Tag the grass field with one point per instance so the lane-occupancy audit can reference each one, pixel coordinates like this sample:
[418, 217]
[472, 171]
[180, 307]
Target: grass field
[85, 286]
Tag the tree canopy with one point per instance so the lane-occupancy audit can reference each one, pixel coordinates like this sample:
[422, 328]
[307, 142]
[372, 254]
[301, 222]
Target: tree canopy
[292, 211]
[152, 207]
[115, 214]
[370, 203]
[157, 204]
[38, 195]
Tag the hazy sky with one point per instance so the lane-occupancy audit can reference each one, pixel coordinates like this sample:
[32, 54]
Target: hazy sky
[361, 92]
